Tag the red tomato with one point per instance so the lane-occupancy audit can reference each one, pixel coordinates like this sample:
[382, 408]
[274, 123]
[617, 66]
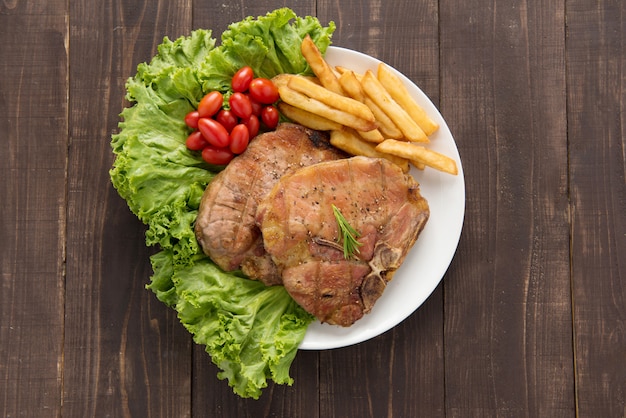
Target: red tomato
[239, 138]
[191, 119]
[217, 156]
[270, 116]
[253, 125]
[210, 104]
[227, 119]
[257, 107]
[242, 78]
[263, 91]
[195, 141]
[240, 105]
[214, 132]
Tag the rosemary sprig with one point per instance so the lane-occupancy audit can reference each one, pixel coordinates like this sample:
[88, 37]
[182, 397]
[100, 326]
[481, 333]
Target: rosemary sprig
[348, 233]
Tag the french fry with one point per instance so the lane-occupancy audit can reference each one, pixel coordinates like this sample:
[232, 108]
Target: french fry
[304, 102]
[349, 141]
[375, 91]
[339, 69]
[387, 129]
[419, 165]
[320, 67]
[352, 87]
[372, 136]
[281, 79]
[400, 94]
[419, 154]
[314, 91]
[385, 125]
[308, 119]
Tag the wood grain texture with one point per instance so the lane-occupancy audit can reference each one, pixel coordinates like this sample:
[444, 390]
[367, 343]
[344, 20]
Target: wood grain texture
[402, 33]
[596, 116]
[33, 104]
[508, 314]
[529, 319]
[399, 373]
[126, 354]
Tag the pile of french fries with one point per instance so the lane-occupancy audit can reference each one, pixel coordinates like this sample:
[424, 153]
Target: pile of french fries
[367, 114]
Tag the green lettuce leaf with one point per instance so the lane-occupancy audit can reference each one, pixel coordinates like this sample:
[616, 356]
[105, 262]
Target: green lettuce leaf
[269, 44]
[251, 332]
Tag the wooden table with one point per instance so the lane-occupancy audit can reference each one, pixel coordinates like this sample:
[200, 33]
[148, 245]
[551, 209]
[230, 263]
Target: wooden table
[530, 318]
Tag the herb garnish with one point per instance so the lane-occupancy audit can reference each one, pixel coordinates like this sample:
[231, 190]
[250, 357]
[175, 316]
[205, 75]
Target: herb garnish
[349, 234]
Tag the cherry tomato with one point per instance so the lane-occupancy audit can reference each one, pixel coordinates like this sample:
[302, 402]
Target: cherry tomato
[239, 138]
[191, 119]
[195, 141]
[217, 156]
[263, 91]
[242, 78]
[240, 105]
[214, 132]
[270, 116]
[253, 125]
[227, 119]
[210, 104]
[257, 107]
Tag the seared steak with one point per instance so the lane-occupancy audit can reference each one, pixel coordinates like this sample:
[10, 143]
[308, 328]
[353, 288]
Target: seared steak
[301, 233]
[225, 227]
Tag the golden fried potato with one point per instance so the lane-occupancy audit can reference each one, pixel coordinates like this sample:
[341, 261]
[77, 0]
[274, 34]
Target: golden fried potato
[352, 87]
[320, 67]
[385, 125]
[419, 154]
[281, 79]
[339, 101]
[308, 119]
[350, 141]
[372, 136]
[400, 94]
[379, 95]
[304, 102]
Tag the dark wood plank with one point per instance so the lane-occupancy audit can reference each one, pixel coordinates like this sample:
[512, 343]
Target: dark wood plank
[404, 34]
[33, 128]
[399, 373]
[212, 397]
[596, 118]
[507, 306]
[125, 352]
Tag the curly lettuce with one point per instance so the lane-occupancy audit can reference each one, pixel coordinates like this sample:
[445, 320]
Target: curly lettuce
[251, 332]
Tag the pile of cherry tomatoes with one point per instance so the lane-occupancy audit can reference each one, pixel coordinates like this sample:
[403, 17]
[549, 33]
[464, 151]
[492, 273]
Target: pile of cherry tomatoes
[221, 133]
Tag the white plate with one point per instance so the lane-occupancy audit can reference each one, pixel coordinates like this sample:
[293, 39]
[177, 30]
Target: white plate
[431, 255]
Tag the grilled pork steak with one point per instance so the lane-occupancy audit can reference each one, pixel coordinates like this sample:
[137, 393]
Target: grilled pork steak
[225, 226]
[301, 233]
